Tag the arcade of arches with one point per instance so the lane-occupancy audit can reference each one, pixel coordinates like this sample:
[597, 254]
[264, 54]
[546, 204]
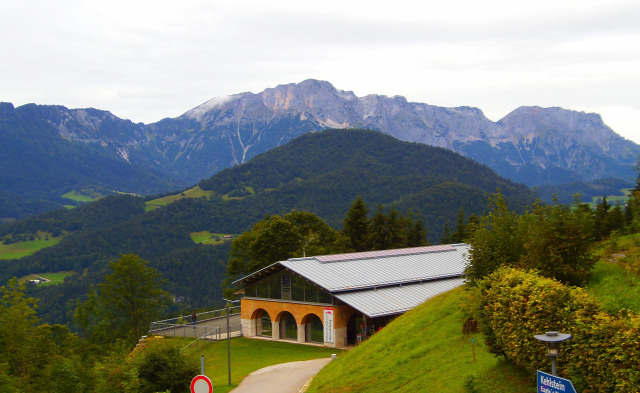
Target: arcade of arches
[302, 323]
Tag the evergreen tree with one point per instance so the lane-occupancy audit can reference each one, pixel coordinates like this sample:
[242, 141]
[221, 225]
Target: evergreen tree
[615, 220]
[416, 232]
[496, 242]
[446, 235]
[356, 225]
[460, 233]
[600, 214]
[396, 229]
[378, 234]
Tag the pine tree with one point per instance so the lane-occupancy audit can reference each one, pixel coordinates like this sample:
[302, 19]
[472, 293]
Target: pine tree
[378, 234]
[396, 229]
[416, 232]
[460, 233]
[356, 225]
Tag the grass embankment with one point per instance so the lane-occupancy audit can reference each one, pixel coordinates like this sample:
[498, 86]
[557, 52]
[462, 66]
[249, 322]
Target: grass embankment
[248, 355]
[27, 247]
[616, 276]
[423, 351]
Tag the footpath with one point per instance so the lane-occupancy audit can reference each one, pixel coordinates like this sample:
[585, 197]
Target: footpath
[281, 378]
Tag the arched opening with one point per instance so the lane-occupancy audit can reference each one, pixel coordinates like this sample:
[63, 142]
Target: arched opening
[263, 324]
[288, 327]
[354, 329]
[313, 329]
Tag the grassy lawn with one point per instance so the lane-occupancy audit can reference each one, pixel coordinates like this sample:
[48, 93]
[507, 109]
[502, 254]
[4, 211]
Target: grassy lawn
[54, 278]
[616, 277]
[248, 355]
[195, 192]
[206, 237]
[423, 351]
[22, 249]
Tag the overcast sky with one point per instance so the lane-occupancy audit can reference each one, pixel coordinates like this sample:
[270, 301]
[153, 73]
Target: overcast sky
[146, 60]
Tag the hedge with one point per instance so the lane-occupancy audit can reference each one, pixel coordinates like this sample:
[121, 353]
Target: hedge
[602, 356]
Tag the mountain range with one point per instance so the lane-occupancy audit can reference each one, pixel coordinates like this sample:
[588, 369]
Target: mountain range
[62, 149]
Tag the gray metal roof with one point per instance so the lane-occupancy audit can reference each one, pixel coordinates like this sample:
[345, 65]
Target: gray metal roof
[348, 272]
[396, 299]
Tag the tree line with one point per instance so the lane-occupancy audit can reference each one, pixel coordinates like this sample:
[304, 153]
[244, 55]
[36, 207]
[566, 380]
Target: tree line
[299, 234]
[38, 357]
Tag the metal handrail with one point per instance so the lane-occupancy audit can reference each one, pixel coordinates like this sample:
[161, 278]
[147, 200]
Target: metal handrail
[215, 336]
[173, 322]
[203, 337]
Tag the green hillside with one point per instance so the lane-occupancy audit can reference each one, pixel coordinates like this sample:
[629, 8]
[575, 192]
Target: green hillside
[322, 173]
[40, 165]
[424, 350]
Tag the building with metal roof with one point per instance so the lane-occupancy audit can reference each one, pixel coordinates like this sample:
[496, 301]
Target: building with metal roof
[337, 300]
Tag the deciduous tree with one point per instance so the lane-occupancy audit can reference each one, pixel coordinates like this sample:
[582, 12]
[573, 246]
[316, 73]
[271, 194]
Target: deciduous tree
[131, 297]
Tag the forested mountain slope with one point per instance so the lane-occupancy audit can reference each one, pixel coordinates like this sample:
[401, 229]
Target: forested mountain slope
[45, 156]
[50, 150]
[321, 172]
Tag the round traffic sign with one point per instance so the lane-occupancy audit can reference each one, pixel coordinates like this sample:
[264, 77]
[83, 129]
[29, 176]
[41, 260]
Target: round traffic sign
[201, 384]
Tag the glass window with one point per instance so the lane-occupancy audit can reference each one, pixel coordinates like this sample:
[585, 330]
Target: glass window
[314, 331]
[264, 325]
[323, 297]
[263, 288]
[311, 293]
[250, 290]
[274, 286]
[286, 286]
[288, 327]
[297, 288]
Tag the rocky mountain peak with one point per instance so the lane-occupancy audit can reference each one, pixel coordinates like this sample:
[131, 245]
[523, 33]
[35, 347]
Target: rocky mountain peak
[6, 108]
[530, 144]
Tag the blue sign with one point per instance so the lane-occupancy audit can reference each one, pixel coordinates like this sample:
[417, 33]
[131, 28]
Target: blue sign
[548, 383]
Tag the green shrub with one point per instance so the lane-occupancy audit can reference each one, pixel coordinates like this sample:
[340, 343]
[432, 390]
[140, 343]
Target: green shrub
[161, 367]
[604, 354]
[471, 385]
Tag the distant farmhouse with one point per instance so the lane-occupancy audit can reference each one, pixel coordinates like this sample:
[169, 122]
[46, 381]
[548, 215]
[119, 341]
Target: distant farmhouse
[338, 300]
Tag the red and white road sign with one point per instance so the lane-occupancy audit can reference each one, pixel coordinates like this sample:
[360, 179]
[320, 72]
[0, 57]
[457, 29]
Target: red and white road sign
[201, 384]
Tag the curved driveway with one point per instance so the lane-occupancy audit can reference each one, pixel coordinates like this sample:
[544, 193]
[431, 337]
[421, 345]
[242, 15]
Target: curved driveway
[281, 378]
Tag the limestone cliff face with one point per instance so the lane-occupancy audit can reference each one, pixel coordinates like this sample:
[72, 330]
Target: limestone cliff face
[531, 144]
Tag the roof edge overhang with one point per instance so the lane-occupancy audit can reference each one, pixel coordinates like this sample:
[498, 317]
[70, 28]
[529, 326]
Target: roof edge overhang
[259, 274]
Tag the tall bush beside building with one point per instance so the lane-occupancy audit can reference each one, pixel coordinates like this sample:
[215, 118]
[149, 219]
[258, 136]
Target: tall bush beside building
[604, 354]
[553, 239]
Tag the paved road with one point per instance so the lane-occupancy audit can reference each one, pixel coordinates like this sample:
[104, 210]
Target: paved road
[281, 378]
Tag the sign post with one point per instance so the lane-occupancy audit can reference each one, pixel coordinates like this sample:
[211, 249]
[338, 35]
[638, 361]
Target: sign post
[201, 384]
[328, 325]
[548, 383]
